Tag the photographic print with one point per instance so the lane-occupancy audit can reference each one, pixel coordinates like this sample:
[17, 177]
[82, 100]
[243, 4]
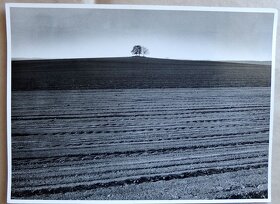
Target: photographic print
[150, 103]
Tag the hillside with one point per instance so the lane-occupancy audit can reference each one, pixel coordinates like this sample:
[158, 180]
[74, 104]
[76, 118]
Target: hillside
[135, 72]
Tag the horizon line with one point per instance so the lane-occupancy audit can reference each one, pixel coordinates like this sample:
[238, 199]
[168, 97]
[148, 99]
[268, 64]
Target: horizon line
[165, 58]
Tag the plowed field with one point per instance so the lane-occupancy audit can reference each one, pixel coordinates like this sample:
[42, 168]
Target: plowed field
[203, 143]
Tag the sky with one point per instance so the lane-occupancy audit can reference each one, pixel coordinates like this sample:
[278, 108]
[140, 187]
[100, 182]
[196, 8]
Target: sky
[55, 33]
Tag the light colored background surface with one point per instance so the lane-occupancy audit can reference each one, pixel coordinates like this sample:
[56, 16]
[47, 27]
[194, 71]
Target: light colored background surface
[225, 3]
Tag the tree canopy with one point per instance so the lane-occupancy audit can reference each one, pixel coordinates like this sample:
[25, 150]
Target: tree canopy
[139, 50]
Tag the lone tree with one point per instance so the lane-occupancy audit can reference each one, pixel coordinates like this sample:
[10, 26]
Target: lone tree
[139, 50]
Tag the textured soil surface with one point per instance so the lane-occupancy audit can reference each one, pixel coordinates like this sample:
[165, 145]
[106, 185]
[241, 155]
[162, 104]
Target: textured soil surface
[135, 73]
[206, 143]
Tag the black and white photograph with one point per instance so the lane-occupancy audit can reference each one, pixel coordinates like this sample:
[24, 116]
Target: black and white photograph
[150, 103]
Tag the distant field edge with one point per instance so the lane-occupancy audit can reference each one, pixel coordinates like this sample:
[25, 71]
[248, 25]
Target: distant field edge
[136, 73]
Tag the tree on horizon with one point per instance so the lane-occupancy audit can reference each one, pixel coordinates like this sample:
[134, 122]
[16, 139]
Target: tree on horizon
[139, 50]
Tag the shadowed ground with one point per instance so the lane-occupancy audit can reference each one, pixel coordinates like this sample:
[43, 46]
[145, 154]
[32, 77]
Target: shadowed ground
[135, 73]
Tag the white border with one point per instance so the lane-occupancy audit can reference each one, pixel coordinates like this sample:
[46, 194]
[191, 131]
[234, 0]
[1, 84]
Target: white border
[273, 67]
[8, 6]
[9, 90]
[141, 7]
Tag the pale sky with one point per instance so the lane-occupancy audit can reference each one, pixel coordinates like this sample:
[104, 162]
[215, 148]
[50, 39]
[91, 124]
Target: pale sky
[91, 33]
